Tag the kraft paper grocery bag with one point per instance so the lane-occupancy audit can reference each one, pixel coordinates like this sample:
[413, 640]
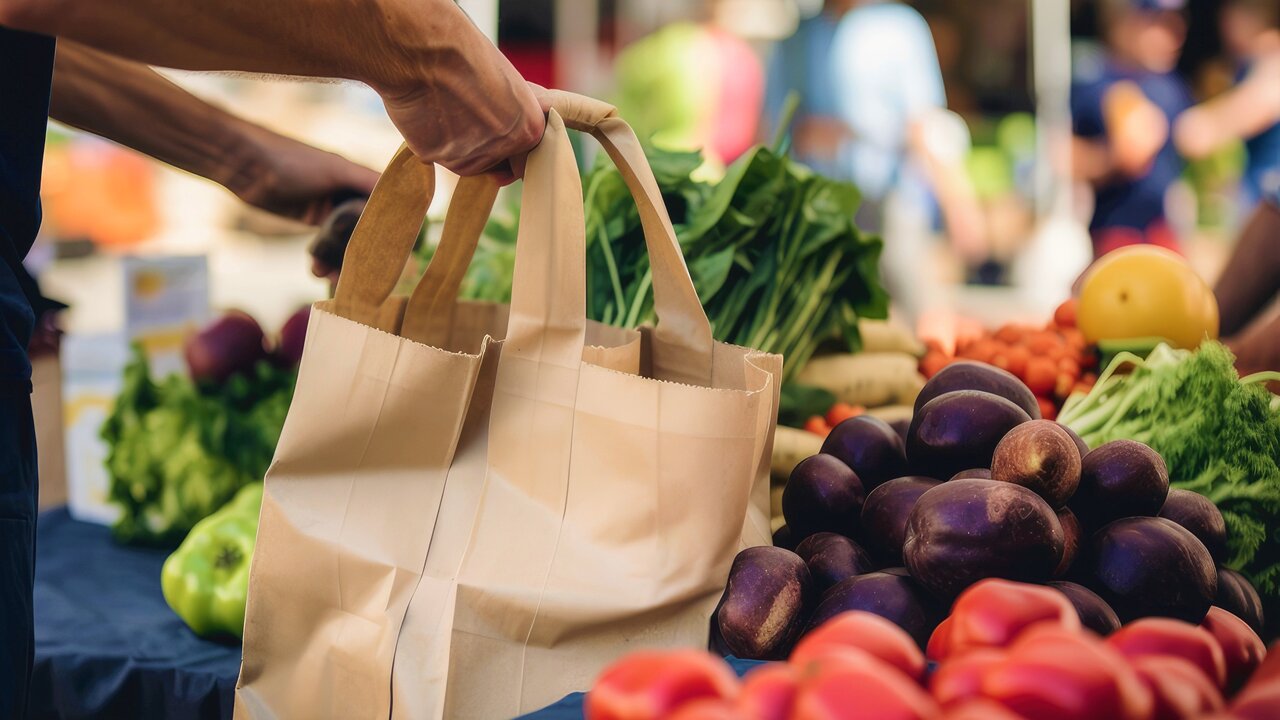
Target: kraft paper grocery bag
[474, 508]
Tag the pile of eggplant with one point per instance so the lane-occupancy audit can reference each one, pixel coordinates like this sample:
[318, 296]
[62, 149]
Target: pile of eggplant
[978, 487]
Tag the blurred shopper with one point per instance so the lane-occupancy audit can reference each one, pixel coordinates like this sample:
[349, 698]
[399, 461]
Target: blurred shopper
[454, 97]
[1249, 287]
[1122, 109]
[693, 86]
[900, 145]
[803, 64]
[1251, 110]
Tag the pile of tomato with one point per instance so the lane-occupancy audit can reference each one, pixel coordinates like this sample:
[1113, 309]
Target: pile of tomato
[1053, 361]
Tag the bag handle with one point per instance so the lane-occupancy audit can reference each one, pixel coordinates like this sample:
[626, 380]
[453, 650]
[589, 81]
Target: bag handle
[682, 341]
[383, 239]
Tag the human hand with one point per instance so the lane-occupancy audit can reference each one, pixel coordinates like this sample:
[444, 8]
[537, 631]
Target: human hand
[296, 181]
[1136, 127]
[468, 110]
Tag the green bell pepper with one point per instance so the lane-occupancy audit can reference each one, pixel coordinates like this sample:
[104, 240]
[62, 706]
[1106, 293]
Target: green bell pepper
[206, 580]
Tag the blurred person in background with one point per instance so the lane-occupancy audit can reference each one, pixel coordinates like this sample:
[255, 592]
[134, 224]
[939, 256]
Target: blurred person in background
[1122, 108]
[802, 63]
[893, 137]
[1248, 289]
[1250, 111]
[693, 86]
[453, 96]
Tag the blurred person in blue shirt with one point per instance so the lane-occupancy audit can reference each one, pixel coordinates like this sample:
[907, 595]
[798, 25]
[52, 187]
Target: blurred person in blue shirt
[873, 111]
[1122, 106]
[1250, 111]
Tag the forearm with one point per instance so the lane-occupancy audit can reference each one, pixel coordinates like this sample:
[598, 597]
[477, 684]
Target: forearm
[388, 44]
[1251, 278]
[133, 105]
[1240, 113]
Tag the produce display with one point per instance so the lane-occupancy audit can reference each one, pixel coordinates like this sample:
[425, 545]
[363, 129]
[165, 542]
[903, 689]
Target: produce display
[981, 487]
[1006, 651]
[1219, 435]
[1052, 362]
[180, 447]
[206, 580]
[771, 247]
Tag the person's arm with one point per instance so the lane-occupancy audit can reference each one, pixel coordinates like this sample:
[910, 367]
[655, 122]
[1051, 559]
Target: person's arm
[1131, 128]
[1251, 278]
[455, 98]
[135, 106]
[1242, 112]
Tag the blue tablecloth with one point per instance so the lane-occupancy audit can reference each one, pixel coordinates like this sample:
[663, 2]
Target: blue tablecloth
[107, 645]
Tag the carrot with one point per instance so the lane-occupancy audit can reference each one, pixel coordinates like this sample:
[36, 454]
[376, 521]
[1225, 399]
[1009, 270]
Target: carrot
[1041, 376]
[1065, 314]
[817, 425]
[841, 412]
[1048, 410]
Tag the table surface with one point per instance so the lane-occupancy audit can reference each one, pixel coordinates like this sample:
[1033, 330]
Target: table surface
[107, 645]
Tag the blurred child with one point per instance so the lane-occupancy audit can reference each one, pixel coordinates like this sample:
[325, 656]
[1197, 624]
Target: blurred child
[1121, 111]
[1251, 110]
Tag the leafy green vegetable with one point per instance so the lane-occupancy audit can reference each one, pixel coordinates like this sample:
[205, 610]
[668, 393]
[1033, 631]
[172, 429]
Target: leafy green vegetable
[1218, 433]
[797, 403]
[772, 250]
[177, 453]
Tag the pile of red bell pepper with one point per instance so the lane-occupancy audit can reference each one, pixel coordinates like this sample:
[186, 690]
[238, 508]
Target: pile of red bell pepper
[1008, 651]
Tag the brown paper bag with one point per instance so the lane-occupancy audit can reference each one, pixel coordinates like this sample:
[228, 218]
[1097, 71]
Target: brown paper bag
[457, 525]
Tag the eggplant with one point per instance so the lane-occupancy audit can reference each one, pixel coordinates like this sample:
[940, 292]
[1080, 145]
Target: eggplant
[965, 530]
[1072, 534]
[959, 431]
[871, 448]
[1079, 441]
[1120, 479]
[1150, 566]
[832, 558]
[1199, 515]
[1237, 596]
[980, 473]
[895, 597]
[1094, 612]
[972, 375]
[822, 495]
[782, 538]
[1041, 456]
[884, 515]
[765, 603]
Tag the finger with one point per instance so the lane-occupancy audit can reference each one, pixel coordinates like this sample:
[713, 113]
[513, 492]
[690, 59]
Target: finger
[502, 174]
[517, 163]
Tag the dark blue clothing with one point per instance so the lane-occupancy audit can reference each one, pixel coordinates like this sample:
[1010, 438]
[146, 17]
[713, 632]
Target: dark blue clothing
[1136, 203]
[26, 70]
[1262, 170]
